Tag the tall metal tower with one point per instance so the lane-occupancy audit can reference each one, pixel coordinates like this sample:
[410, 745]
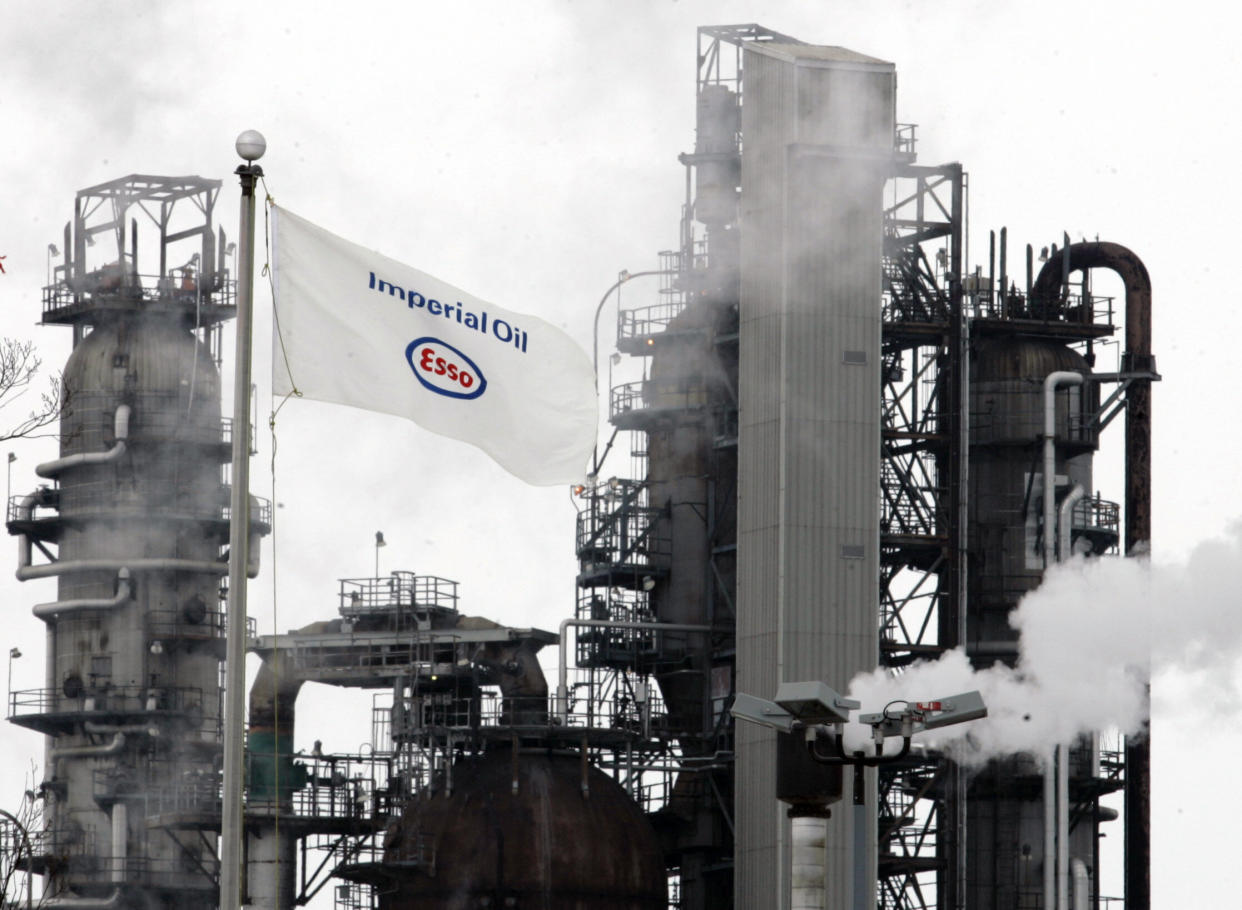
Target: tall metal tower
[822, 344]
[133, 524]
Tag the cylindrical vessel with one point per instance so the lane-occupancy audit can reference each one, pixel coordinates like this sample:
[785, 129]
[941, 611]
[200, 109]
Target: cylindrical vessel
[537, 830]
[147, 664]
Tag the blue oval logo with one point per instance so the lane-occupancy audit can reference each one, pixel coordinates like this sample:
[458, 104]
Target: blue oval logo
[444, 369]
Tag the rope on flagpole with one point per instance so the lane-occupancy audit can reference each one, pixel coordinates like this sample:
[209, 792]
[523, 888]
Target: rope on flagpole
[277, 663]
[268, 204]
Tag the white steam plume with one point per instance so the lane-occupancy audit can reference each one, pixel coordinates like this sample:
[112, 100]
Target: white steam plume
[1091, 635]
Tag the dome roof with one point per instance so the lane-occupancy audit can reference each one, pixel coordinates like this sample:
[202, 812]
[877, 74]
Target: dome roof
[524, 834]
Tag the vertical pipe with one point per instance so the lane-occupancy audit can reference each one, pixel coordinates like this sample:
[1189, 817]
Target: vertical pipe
[1057, 378]
[1030, 263]
[1063, 827]
[239, 542]
[807, 840]
[120, 840]
[1065, 522]
[1138, 359]
[1050, 845]
[991, 273]
[1004, 269]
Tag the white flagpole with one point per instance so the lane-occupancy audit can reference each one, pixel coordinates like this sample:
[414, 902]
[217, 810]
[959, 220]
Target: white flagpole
[250, 146]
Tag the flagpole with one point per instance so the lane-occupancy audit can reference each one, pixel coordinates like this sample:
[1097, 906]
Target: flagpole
[250, 146]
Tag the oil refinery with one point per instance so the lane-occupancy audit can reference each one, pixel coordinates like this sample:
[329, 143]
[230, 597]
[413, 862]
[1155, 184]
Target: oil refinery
[840, 444]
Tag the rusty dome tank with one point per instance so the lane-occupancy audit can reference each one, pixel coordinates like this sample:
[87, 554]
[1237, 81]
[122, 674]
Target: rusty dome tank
[538, 831]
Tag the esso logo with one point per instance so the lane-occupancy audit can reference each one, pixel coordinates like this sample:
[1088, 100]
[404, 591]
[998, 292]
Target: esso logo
[445, 370]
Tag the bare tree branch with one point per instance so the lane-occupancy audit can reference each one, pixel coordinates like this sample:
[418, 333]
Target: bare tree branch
[19, 365]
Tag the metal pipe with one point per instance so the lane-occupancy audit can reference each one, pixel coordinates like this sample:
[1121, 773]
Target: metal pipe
[808, 862]
[82, 903]
[1054, 379]
[112, 748]
[1137, 358]
[1081, 896]
[120, 424]
[120, 840]
[115, 564]
[1050, 827]
[1063, 827]
[49, 612]
[25, 511]
[562, 681]
[1065, 522]
[256, 541]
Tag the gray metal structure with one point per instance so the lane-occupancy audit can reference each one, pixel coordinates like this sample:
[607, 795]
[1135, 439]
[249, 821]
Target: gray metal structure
[821, 345]
[134, 526]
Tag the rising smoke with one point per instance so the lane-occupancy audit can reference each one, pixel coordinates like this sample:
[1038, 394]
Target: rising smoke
[1090, 637]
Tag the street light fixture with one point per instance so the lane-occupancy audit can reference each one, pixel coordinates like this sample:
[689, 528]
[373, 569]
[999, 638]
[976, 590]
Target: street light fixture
[817, 712]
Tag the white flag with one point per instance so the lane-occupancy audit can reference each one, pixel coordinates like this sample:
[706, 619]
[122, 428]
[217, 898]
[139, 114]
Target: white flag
[360, 329]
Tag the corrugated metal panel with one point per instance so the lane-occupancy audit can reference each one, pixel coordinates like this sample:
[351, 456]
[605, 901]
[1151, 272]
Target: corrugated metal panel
[808, 457]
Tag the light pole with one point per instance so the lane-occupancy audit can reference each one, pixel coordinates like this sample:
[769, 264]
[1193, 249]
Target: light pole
[379, 542]
[816, 711]
[8, 483]
[14, 653]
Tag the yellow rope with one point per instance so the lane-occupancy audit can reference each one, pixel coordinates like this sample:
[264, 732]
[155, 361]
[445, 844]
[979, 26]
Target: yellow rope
[268, 204]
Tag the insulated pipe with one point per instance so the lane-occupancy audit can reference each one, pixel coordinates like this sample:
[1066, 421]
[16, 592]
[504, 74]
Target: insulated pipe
[1136, 358]
[52, 469]
[112, 748]
[120, 840]
[808, 836]
[256, 541]
[1050, 827]
[48, 612]
[562, 680]
[25, 511]
[1058, 378]
[1065, 521]
[159, 564]
[82, 903]
[1082, 885]
[1063, 827]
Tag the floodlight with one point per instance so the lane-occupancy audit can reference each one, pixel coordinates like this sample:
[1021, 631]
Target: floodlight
[955, 709]
[815, 703]
[761, 711]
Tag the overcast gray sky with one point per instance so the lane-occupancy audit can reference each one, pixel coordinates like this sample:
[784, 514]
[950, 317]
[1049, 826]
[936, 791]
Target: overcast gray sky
[527, 153]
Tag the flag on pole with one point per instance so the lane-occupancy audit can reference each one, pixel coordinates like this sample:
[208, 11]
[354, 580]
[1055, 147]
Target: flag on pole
[359, 329]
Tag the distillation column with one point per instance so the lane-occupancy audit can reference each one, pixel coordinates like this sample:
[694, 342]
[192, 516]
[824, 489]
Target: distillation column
[137, 519]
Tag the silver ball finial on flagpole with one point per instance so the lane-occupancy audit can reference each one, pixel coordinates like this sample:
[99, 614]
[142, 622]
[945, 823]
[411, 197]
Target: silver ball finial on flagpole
[251, 145]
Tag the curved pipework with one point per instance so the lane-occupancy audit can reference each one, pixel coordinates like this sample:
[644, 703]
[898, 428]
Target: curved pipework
[52, 469]
[112, 748]
[271, 725]
[158, 564]
[1059, 378]
[1137, 358]
[1065, 521]
[48, 612]
[25, 511]
[83, 903]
